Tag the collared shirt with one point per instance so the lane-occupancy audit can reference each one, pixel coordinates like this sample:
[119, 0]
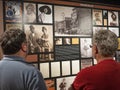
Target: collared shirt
[103, 76]
[17, 74]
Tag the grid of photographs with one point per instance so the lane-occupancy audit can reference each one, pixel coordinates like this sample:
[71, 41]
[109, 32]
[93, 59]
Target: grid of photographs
[59, 36]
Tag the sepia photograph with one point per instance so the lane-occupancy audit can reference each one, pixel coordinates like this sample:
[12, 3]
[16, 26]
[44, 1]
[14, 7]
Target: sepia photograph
[44, 69]
[13, 11]
[66, 41]
[119, 43]
[75, 66]
[58, 41]
[86, 50]
[39, 37]
[97, 17]
[29, 12]
[45, 13]
[71, 21]
[105, 17]
[13, 26]
[86, 63]
[46, 57]
[113, 18]
[64, 83]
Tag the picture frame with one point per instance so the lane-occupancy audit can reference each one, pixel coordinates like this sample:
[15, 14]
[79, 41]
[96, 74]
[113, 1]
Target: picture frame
[29, 11]
[39, 37]
[44, 69]
[13, 11]
[75, 66]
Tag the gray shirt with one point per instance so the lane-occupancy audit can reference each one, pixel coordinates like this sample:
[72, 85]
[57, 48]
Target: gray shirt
[16, 74]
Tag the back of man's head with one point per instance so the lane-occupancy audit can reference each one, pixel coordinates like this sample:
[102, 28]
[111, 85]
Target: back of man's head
[11, 41]
[106, 42]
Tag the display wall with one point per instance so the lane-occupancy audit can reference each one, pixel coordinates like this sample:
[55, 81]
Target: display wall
[59, 34]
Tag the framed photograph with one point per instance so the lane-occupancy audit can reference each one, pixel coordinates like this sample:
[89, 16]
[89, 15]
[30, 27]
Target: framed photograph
[44, 69]
[105, 17]
[97, 17]
[65, 68]
[118, 56]
[55, 69]
[66, 41]
[86, 50]
[32, 58]
[96, 29]
[113, 18]
[13, 11]
[115, 30]
[13, 26]
[50, 84]
[58, 41]
[75, 40]
[40, 38]
[64, 83]
[46, 57]
[75, 66]
[71, 21]
[86, 63]
[29, 12]
[45, 13]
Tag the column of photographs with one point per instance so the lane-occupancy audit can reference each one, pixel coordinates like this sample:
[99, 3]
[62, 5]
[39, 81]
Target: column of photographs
[59, 37]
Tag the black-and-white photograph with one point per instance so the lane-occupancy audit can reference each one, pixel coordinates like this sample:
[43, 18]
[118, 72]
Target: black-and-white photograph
[64, 83]
[113, 18]
[115, 30]
[55, 69]
[40, 38]
[86, 50]
[44, 69]
[29, 12]
[13, 11]
[86, 63]
[72, 21]
[13, 26]
[65, 68]
[97, 17]
[75, 66]
[45, 13]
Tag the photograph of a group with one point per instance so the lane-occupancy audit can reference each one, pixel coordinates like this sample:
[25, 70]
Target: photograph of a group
[72, 21]
[39, 38]
[13, 11]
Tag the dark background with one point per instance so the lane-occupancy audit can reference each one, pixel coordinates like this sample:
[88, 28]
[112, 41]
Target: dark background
[106, 2]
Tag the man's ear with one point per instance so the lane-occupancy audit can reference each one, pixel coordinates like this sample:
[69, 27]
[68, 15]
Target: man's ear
[96, 50]
[24, 47]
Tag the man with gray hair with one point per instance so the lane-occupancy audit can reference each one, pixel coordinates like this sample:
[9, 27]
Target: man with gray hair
[105, 75]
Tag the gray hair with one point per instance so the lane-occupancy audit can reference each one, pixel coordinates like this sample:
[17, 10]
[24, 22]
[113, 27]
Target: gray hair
[106, 42]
